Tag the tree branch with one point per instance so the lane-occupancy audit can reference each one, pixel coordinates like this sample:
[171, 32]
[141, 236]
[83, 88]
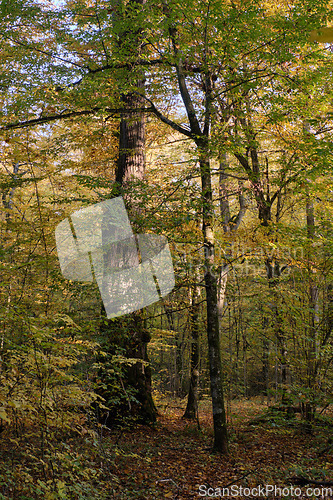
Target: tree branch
[49, 54]
[190, 111]
[71, 114]
[166, 120]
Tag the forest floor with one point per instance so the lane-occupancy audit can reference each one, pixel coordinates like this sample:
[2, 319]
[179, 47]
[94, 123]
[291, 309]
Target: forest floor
[173, 459]
[77, 459]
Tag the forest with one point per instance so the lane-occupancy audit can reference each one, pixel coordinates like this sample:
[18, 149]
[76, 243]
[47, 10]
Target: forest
[211, 124]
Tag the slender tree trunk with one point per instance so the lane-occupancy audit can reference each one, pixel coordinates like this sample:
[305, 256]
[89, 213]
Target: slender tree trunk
[213, 331]
[308, 407]
[313, 298]
[8, 194]
[201, 139]
[265, 368]
[215, 365]
[328, 315]
[225, 216]
[230, 225]
[191, 411]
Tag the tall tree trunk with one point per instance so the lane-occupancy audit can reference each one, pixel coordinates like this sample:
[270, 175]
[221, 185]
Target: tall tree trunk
[201, 139]
[129, 332]
[227, 227]
[131, 167]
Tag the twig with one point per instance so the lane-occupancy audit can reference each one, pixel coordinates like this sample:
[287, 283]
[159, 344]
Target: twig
[302, 481]
[239, 478]
[169, 481]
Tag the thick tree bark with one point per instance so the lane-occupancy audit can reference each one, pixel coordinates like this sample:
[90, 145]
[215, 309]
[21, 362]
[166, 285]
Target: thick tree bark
[131, 167]
[131, 159]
